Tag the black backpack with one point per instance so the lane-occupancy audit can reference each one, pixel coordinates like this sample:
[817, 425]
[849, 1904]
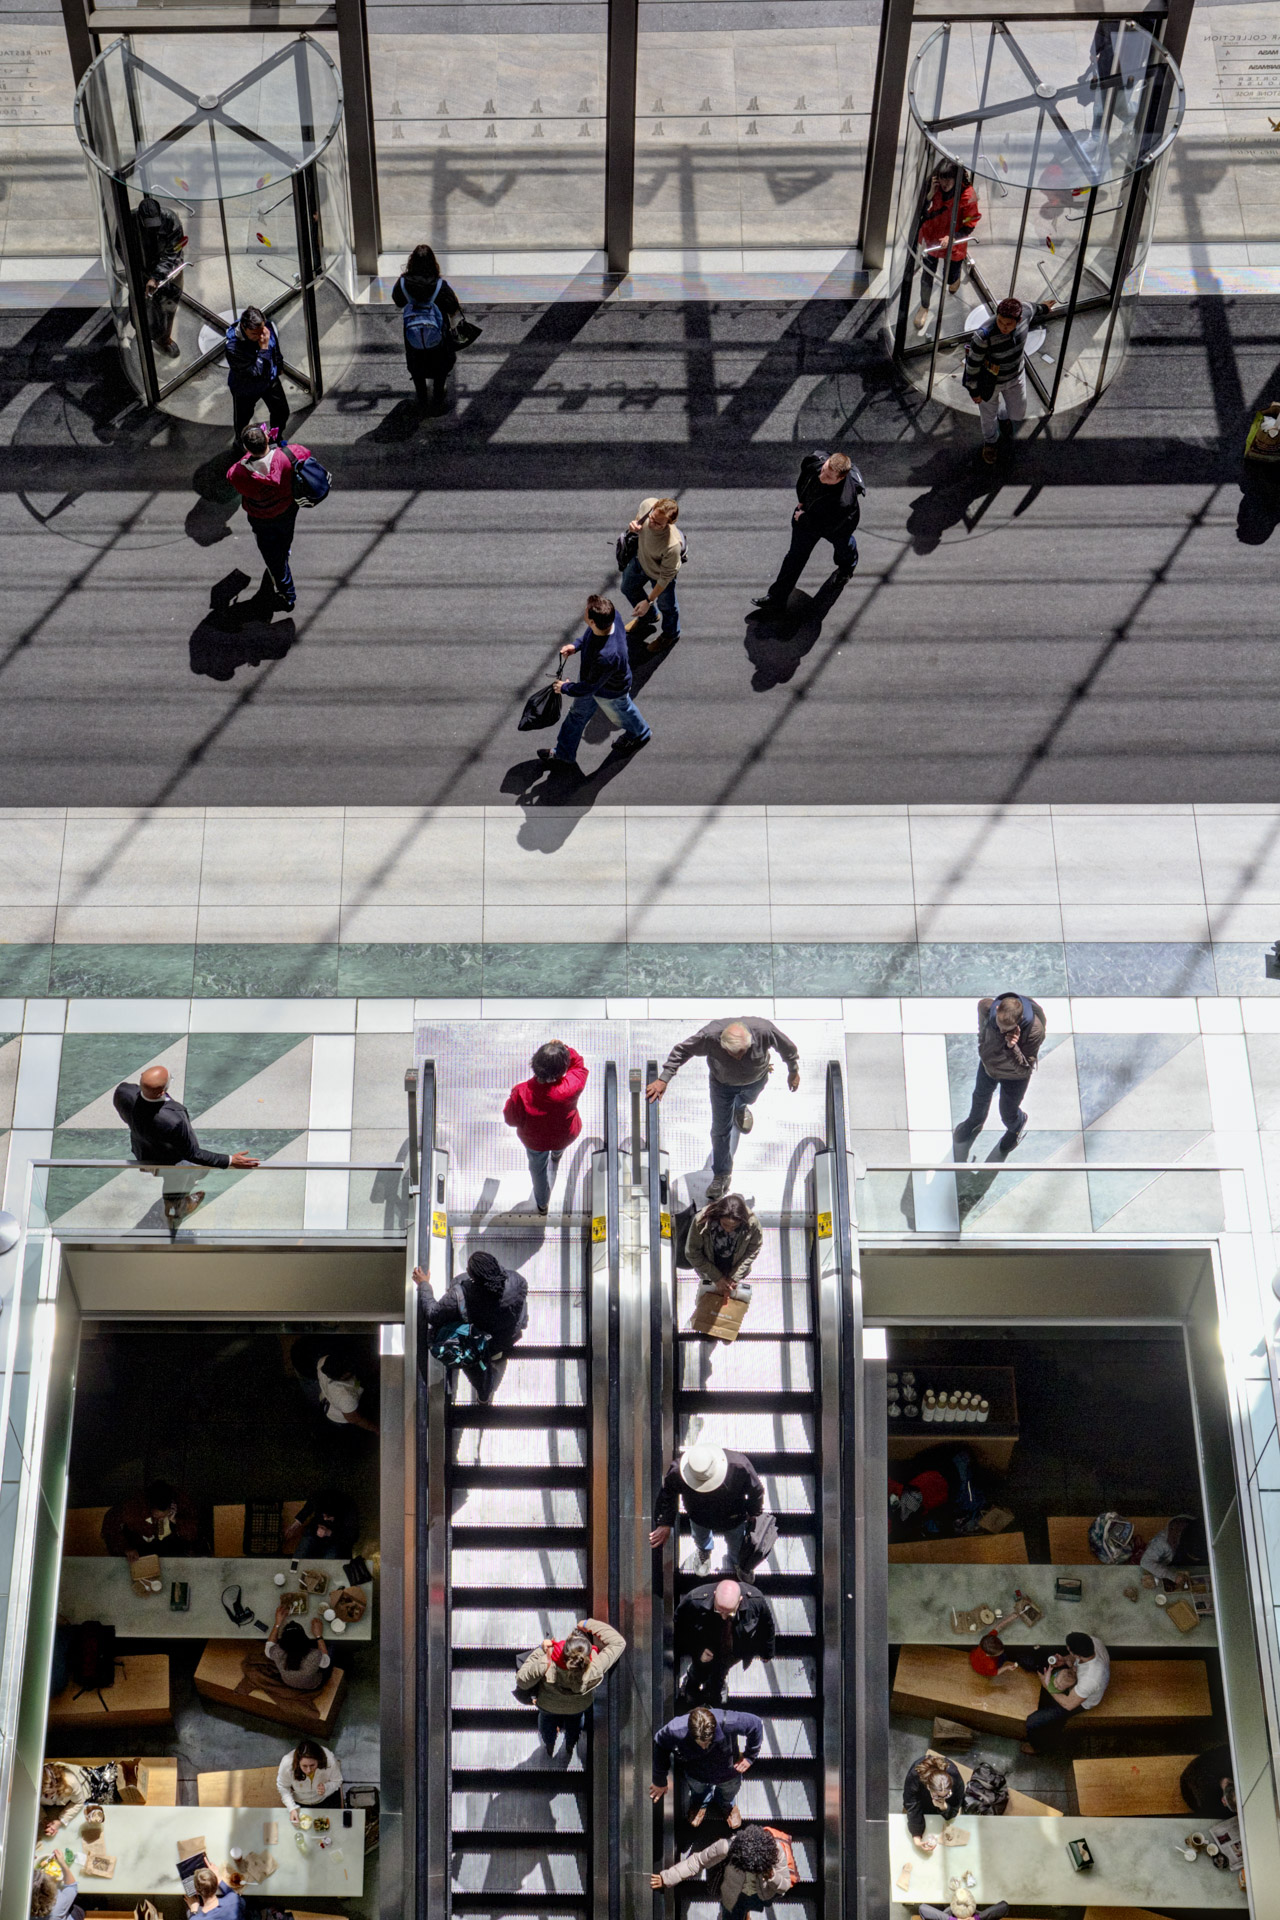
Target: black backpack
[987, 1791]
[92, 1658]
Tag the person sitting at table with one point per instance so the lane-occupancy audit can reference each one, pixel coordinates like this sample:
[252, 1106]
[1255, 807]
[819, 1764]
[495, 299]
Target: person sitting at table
[299, 1657]
[49, 1901]
[932, 1785]
[963, 1906]
[213, 1895]
[1072, 1680]
[161, 1519]
[308, 1776]
[1208, 1784]
[65, 1788]
[991, 1657]
[325, 1528]
[1180, 1544]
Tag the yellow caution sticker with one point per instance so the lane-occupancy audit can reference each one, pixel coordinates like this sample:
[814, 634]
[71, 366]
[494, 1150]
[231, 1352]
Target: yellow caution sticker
[439, 1226]
[597, 1229]
[824, 1226]
[666, 1225]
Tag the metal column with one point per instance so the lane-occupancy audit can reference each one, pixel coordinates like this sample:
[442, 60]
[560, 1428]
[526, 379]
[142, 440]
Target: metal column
[362, 161]
[882, 139]
[619, 133]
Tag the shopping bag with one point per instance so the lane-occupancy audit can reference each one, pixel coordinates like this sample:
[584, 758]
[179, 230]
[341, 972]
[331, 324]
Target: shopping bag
[541, 709]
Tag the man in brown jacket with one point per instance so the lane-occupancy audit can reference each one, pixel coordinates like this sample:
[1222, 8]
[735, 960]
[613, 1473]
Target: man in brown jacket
[1011, 1030]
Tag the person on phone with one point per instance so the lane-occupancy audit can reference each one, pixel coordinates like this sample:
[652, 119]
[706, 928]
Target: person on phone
[263, 477]
[756, 1870]
[253, 372]
[1011, 1031]
[212, 1894]
[995, 367]
[299, 1657]
[828, 491]
[649, 578]
[308, 1776]
[431, 313]
[738, 1068]
[325, 1527]
[544, 1113]
[932, 1785]
[703, 1744]
[161, 1135]
[1072, 1682]
[604, 682]
[162, 240]
[933, 236]
[564, 1674]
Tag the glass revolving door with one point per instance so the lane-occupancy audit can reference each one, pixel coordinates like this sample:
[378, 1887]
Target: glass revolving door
[1034, 158]
[216, 194]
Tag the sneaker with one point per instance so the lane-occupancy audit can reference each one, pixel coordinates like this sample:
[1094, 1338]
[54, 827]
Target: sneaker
[733, 1817]
[743, 1119]
[921, 319]
[550, 759]
[631, 744]
[699, 1563]
[769, 604]
[989, 455]
[719, 1186]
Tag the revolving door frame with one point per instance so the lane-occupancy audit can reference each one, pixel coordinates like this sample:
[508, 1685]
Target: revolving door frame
[99, 139]
[1156, 107]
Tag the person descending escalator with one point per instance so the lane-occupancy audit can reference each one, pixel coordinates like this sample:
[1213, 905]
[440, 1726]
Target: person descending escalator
[722, 1493]
[757, 1867]
[481, 1315]
[564, 1674]
[716, 1626]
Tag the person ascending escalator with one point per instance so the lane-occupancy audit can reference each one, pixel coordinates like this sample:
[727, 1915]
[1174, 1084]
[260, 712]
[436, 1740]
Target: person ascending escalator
[163, 240]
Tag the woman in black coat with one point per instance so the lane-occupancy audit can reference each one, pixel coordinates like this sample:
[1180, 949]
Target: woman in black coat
[490, 1299]
[419, 286]
[932, 1785]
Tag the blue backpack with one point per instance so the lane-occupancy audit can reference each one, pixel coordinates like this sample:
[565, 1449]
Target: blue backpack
[311, 481]
[463, 1346]
[423, 322]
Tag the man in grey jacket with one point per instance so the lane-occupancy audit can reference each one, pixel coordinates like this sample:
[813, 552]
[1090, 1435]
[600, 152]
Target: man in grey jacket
[738, 1069]
[1011, 1030]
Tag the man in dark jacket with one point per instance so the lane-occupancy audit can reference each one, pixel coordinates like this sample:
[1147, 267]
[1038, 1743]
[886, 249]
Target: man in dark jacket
[738, 1068]
[828, 490]
[490, 1299]
[253, 372]
[932, 1785]
[704, 1744]
[605, 681]
[162, 1519]
[717, 1626]
[161, 1134]
[1011, 1030]
[162, 240]
[722, 1493]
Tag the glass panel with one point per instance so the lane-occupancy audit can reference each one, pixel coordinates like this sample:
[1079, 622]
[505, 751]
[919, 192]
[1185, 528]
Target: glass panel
[78, 1198]
[1134, 1203]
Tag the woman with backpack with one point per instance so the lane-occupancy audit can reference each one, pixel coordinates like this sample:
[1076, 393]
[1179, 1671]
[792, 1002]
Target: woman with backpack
[932, 1785]
[758, 1868]
[488, 1300]
[431, 311]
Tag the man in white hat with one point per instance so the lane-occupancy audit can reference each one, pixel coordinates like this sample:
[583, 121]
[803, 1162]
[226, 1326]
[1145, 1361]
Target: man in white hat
[722, 1493]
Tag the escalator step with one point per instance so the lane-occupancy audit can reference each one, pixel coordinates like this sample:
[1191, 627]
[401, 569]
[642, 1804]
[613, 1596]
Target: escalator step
[544, 1568]
[556, 1320]
[795, 1909]
[746, 1366]
[533, 1446]
[788, 1493]
[533, 1383]
[509, 1630]
[778, 1802]
[519, 1507]
[786, 1738]
[493, 1688]
[793, 1553]
[785, 1677]
[525, 1809]
[749, 1433]
[777, 1306]
[558, 1872]
[502, 1749]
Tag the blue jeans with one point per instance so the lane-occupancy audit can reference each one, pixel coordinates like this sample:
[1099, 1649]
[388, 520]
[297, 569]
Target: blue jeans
[635, 585]
[619, 706]
[543, 1168]
[984, 1088]
[704, 1539]
[724, 1099]
[274, 538]
[703, 1793]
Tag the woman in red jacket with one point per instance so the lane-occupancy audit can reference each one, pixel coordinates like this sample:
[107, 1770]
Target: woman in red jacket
[544, 1112]
[264, 480]
[934, 235]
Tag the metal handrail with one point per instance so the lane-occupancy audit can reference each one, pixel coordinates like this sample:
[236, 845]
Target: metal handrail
[265, 1166]
[838, 1331]
[432, 1797]
[662, 1321]
[610, 1839]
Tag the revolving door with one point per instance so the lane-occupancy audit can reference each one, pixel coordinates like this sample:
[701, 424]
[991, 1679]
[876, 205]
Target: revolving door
[217, 192]
[1035, 154]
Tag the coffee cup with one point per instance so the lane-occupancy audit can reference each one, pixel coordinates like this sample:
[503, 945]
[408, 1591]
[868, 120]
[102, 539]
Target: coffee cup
[329, 1614]
[1188, 1853]
[278, 1578]
[1195, 1840]
[339, 1626]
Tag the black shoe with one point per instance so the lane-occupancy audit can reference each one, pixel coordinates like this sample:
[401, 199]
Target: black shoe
[1013, 1135]
[551, 759]
[962, 1138]
[631, 745]
[845, 574]
[768, 604]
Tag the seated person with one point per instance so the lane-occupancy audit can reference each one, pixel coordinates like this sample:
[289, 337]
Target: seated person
[932, 1785]
[1074, 1679]
[52, 1899]
[65, 1788]
[963, 1906]
[325, 1529]
[308, 1776]
[1208, 1784]
[488, 1298]
[1180, 1544]
[300, 1657]
[213, 1895]
[723, 1243]
[991, 1657]
[162, 1519]
[756, 1870]
[327, 1368]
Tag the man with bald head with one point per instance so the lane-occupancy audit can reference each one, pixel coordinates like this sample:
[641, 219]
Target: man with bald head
[738, 1069]
[717, 1626]
[161, 1134]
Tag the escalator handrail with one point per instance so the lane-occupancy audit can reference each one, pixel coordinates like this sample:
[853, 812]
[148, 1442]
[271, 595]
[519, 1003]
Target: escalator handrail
[852, 1572]
[662, 1322]
[612, 1702]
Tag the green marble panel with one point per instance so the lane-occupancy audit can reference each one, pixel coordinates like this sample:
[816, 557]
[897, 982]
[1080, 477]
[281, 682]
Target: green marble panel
[694, 969]
[387, 970]
[218, 1063]
[96, 1063]
[67, 1187]
[263, 972]
[521, 969]
[952, 968]
[1156, 969]
[24, 970]
[851, 970]
[122, 972]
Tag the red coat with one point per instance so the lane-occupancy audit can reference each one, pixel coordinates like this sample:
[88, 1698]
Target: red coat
[546, 1118]
[267, 496]
[936, 224]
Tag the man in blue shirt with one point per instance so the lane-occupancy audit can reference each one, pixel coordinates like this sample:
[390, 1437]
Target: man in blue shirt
[253, 372]
[606, 681]
[704, 1744]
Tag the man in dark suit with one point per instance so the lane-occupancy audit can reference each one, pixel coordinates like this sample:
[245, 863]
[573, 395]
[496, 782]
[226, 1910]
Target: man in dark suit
[161, 1134]
[716, 1626]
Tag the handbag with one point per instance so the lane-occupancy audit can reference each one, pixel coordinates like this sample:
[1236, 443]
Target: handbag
[311, 481]
[758, 1542]
[984, 382]
[541, 709]
[465, 333]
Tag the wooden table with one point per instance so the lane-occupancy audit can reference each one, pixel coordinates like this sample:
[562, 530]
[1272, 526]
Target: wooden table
[1141, 1693]
[101, 1589]
[1148, 1785]
[139, 1698]
[146, 1844]
[921, 1599]
[1026, 1861]
[973, 1549]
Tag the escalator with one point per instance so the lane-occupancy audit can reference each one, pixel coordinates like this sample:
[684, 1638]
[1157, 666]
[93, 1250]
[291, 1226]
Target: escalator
[514, 1534]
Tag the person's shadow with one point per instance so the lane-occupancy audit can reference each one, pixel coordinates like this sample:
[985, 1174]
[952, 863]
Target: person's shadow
[947, 504]
[238, 633]
[776, 643]
[1259, 511]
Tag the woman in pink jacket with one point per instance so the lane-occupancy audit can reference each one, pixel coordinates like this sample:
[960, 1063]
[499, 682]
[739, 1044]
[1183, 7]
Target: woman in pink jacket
[544, 1113]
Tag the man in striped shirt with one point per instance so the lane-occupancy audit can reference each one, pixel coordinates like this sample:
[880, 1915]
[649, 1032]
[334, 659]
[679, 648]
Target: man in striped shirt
[999, 348]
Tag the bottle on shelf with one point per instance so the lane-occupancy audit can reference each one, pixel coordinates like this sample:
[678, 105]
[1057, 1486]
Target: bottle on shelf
[984, 1411]
[929, 1410]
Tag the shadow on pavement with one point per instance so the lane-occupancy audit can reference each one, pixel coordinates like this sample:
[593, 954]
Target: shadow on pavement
[238, 633]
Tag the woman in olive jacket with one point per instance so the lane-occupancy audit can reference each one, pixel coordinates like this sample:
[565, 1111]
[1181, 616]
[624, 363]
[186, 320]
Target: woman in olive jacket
[724, 1242]
[563, 1675]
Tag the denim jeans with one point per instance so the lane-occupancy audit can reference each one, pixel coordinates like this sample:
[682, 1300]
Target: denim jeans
[724, 1099]
[543, 1168]
[619, 706]
[984, 1088]
[805, 535]
[551, 1724]
[702, 1793]
[635, 585]
[704, 1539]
[274, 538]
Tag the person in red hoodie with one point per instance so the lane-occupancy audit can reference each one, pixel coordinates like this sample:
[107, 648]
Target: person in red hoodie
[264, 479]
[934, 235]
[544, 1112]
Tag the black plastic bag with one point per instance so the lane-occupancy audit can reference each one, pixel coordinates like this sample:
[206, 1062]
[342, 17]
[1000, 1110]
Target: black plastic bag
[465, 334]
[541, 709]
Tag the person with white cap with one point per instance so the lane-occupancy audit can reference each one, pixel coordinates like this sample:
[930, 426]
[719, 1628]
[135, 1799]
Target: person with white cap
[722, 1493]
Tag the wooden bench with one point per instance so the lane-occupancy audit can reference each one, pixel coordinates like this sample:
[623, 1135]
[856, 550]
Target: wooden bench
[221, 1671]
[228, 1527]
[1134, 1787]
[1069, 1536]
[139, 1698]
[985, 1549]
[82, 1533]
[1120, 1913]
[1142, 1693]
[162, 1773]
[242, 1787]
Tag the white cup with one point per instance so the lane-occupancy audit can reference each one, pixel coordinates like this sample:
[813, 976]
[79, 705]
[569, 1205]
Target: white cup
[278, 1578]
[329, 1614]
[339, 1626]
[156, 1585]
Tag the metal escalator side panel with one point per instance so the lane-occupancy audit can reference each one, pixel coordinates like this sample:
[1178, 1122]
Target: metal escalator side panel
[663, 1320]
[432, 1534]
[603, 1567]
[827, 1438]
